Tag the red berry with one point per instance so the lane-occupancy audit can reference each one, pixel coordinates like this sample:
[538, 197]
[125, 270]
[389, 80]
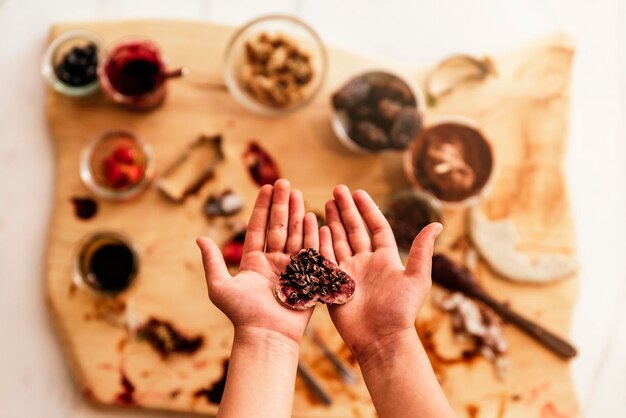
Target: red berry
[125, 155]
[113, 174]
[133, 173]
[232, 252]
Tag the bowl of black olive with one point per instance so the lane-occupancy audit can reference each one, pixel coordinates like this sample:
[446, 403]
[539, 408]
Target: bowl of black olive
[376, 110]
[70, 64]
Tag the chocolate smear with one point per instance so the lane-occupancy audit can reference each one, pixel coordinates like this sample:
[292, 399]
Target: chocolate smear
[127, 396]
[167, 340]
[216, 391]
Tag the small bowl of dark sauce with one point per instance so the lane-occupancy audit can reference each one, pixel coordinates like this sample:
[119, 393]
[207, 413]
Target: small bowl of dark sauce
[107, 263]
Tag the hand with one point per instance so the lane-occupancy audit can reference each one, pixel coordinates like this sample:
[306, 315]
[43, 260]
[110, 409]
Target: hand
[277, 229]
[387, 296]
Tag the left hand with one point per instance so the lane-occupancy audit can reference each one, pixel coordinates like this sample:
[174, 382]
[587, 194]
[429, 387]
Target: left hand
[388, 296]
[278, 228]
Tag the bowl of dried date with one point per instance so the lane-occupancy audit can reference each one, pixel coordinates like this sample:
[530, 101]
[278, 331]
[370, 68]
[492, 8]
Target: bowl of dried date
[376, 110]
[275, 64]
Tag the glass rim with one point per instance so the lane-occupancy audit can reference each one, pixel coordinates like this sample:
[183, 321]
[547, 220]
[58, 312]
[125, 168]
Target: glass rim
[469, 201]
[233, 85]
[338, 126]
[103, 77]
[78, 274]
[47, 66]
[86, 173]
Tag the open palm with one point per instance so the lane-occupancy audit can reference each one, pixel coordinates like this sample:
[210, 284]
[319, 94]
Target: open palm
[388, 296]
[278, 228]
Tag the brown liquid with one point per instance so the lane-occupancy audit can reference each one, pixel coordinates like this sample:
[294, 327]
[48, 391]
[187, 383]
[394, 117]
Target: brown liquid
[475, 150]
[108, 264]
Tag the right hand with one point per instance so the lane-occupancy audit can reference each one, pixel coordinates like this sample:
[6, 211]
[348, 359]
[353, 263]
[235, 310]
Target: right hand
[278, 228]
[388, 296]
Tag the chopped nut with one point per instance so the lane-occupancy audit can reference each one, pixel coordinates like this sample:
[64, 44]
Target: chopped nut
[277, 71]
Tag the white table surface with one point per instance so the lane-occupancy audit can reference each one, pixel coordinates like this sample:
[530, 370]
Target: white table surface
[34, 380]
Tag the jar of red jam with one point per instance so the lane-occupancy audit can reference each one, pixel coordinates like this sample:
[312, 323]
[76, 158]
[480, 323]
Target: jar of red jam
[117, 165]
[134, 74]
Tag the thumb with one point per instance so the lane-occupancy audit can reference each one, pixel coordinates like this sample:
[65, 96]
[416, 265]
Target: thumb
[215, 269]
[420, 258]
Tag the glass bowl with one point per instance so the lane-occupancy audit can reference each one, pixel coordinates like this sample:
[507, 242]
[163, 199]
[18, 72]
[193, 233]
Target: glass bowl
[134, 48]
[293, 28]
[410, 170]
[340, 120]
[87, 247]
[414, 199]
[92, 163]
[55, 52]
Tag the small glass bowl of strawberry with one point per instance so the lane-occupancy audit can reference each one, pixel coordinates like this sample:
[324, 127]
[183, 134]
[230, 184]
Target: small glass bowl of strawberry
[117, 165]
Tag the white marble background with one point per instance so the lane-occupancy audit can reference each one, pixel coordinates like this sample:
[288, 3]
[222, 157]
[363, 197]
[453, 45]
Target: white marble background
[34, 381]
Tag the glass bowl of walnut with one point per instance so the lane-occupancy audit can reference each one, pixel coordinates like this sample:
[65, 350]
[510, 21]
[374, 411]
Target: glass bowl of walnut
[275, 64]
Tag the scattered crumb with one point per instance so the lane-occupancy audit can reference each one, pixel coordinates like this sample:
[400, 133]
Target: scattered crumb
[121, 344]
[472, 410]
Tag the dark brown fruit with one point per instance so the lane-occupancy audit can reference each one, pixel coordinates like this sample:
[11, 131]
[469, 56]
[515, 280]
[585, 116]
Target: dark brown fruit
[351, 94]
[393, 89]
[369, 135]
[405, 128]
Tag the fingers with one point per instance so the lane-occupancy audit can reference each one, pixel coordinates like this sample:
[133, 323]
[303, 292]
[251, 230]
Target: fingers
[215, 270]
[311, 232]
[341, 246]
[326, 244]
[353, 223]
[420, 258]
[382, 235]
[296, 220]
[279, 217]
[257, 226]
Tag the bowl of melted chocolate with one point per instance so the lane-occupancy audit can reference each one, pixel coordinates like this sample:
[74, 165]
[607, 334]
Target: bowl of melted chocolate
[107, 263]
[407, 213]
[451, 161]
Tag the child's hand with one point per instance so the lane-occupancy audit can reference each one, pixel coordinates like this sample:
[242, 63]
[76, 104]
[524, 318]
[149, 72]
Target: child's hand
[277, 229]
[387, 296]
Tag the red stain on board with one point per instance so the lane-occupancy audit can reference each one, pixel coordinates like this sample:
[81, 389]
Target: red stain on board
[549, 411]
[89, 395]
[536, 392]
[260, 164]
[84, 207]
[127, 396]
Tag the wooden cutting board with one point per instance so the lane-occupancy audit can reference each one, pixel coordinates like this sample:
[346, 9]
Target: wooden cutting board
[524, 111]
